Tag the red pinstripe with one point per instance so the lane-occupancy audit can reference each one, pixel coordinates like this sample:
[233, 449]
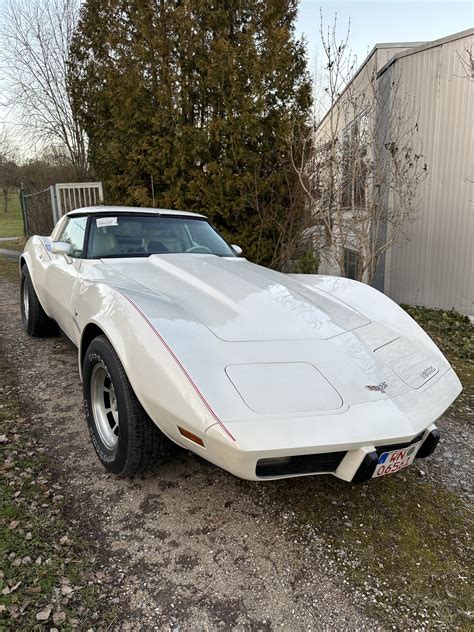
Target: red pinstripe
[176, 359]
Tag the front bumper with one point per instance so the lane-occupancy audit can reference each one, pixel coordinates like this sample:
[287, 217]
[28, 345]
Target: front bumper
[365, 471]
[346, 445]
[355, 466]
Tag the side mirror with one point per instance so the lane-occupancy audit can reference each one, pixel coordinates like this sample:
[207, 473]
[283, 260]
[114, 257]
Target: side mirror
[61, 248]
[237, 249]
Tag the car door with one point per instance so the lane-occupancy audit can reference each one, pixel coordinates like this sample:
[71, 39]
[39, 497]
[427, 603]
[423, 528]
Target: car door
[64, 274]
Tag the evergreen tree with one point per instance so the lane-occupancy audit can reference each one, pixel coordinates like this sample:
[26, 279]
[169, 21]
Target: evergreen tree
[201, 95]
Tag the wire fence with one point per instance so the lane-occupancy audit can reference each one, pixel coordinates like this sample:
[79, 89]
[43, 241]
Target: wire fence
[37, 212]
[42, 209]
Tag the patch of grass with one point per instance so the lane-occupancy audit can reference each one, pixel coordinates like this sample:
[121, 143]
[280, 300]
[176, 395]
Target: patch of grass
[9, 270]
[48, 573]
[454, 334]
[11, 223]
[401, 542]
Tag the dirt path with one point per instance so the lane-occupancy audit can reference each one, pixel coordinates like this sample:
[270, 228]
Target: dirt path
[186, 548]
[9, 254]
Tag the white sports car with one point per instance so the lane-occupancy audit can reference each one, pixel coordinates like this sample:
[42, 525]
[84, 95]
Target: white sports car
[264, 374]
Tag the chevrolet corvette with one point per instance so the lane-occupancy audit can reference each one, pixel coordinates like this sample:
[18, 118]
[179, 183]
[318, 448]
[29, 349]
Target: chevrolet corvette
[267, 375]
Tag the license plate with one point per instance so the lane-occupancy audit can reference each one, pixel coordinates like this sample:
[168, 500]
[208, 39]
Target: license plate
[396, 460]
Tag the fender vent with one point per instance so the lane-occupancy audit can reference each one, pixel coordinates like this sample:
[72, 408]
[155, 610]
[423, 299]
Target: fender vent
[300, 464]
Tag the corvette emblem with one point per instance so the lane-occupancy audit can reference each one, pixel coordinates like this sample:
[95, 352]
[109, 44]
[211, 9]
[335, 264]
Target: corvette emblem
[381, 388]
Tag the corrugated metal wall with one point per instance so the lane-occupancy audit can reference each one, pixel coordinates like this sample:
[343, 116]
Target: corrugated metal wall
[436, 267]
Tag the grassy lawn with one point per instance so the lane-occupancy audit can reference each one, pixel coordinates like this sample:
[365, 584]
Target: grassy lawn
[11, 223]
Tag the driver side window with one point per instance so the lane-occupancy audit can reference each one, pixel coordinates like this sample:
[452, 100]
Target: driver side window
[74, 233]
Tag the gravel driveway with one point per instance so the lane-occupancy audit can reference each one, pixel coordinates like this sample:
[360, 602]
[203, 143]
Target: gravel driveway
[188, 547]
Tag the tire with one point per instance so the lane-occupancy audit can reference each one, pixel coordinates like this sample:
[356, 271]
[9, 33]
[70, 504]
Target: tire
[34, 319]
[125, 439]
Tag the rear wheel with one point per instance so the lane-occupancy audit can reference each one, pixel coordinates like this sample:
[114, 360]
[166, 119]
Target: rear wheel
[35, 321]
[124, 437]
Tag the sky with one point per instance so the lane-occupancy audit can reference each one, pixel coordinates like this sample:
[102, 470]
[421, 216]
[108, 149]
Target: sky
[375, 21]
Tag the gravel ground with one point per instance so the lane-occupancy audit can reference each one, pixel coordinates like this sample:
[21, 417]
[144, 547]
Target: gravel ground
[452, 465]
[186, 548]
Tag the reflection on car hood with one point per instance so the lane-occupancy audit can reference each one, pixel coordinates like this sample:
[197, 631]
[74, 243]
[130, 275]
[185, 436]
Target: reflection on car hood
[238, 300]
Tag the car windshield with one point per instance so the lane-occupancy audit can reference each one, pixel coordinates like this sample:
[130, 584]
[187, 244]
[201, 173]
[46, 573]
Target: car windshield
[144, 235]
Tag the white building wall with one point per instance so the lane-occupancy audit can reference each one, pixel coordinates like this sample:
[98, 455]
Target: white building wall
[435, 268]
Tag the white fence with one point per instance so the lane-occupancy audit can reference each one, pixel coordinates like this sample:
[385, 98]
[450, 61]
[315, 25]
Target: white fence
[68, 196]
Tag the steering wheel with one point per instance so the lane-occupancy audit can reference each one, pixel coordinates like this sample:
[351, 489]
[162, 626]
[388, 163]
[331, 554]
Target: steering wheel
[202, 249]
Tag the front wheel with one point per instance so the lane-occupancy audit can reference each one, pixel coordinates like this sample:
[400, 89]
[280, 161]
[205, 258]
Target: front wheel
[124, 437]
[34, 319]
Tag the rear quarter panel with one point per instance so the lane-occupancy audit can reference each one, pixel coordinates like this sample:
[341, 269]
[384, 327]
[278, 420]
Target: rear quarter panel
[37, 258]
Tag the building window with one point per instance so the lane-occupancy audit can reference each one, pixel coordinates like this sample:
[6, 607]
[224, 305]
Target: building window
[351, 264]
[354, 163]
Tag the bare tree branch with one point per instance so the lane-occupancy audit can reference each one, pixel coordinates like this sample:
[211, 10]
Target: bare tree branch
[362, 163]
[35, 38]
[467, 63]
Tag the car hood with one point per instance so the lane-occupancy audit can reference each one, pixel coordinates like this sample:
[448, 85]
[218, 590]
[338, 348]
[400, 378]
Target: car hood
[261, 344]
[237, 300]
